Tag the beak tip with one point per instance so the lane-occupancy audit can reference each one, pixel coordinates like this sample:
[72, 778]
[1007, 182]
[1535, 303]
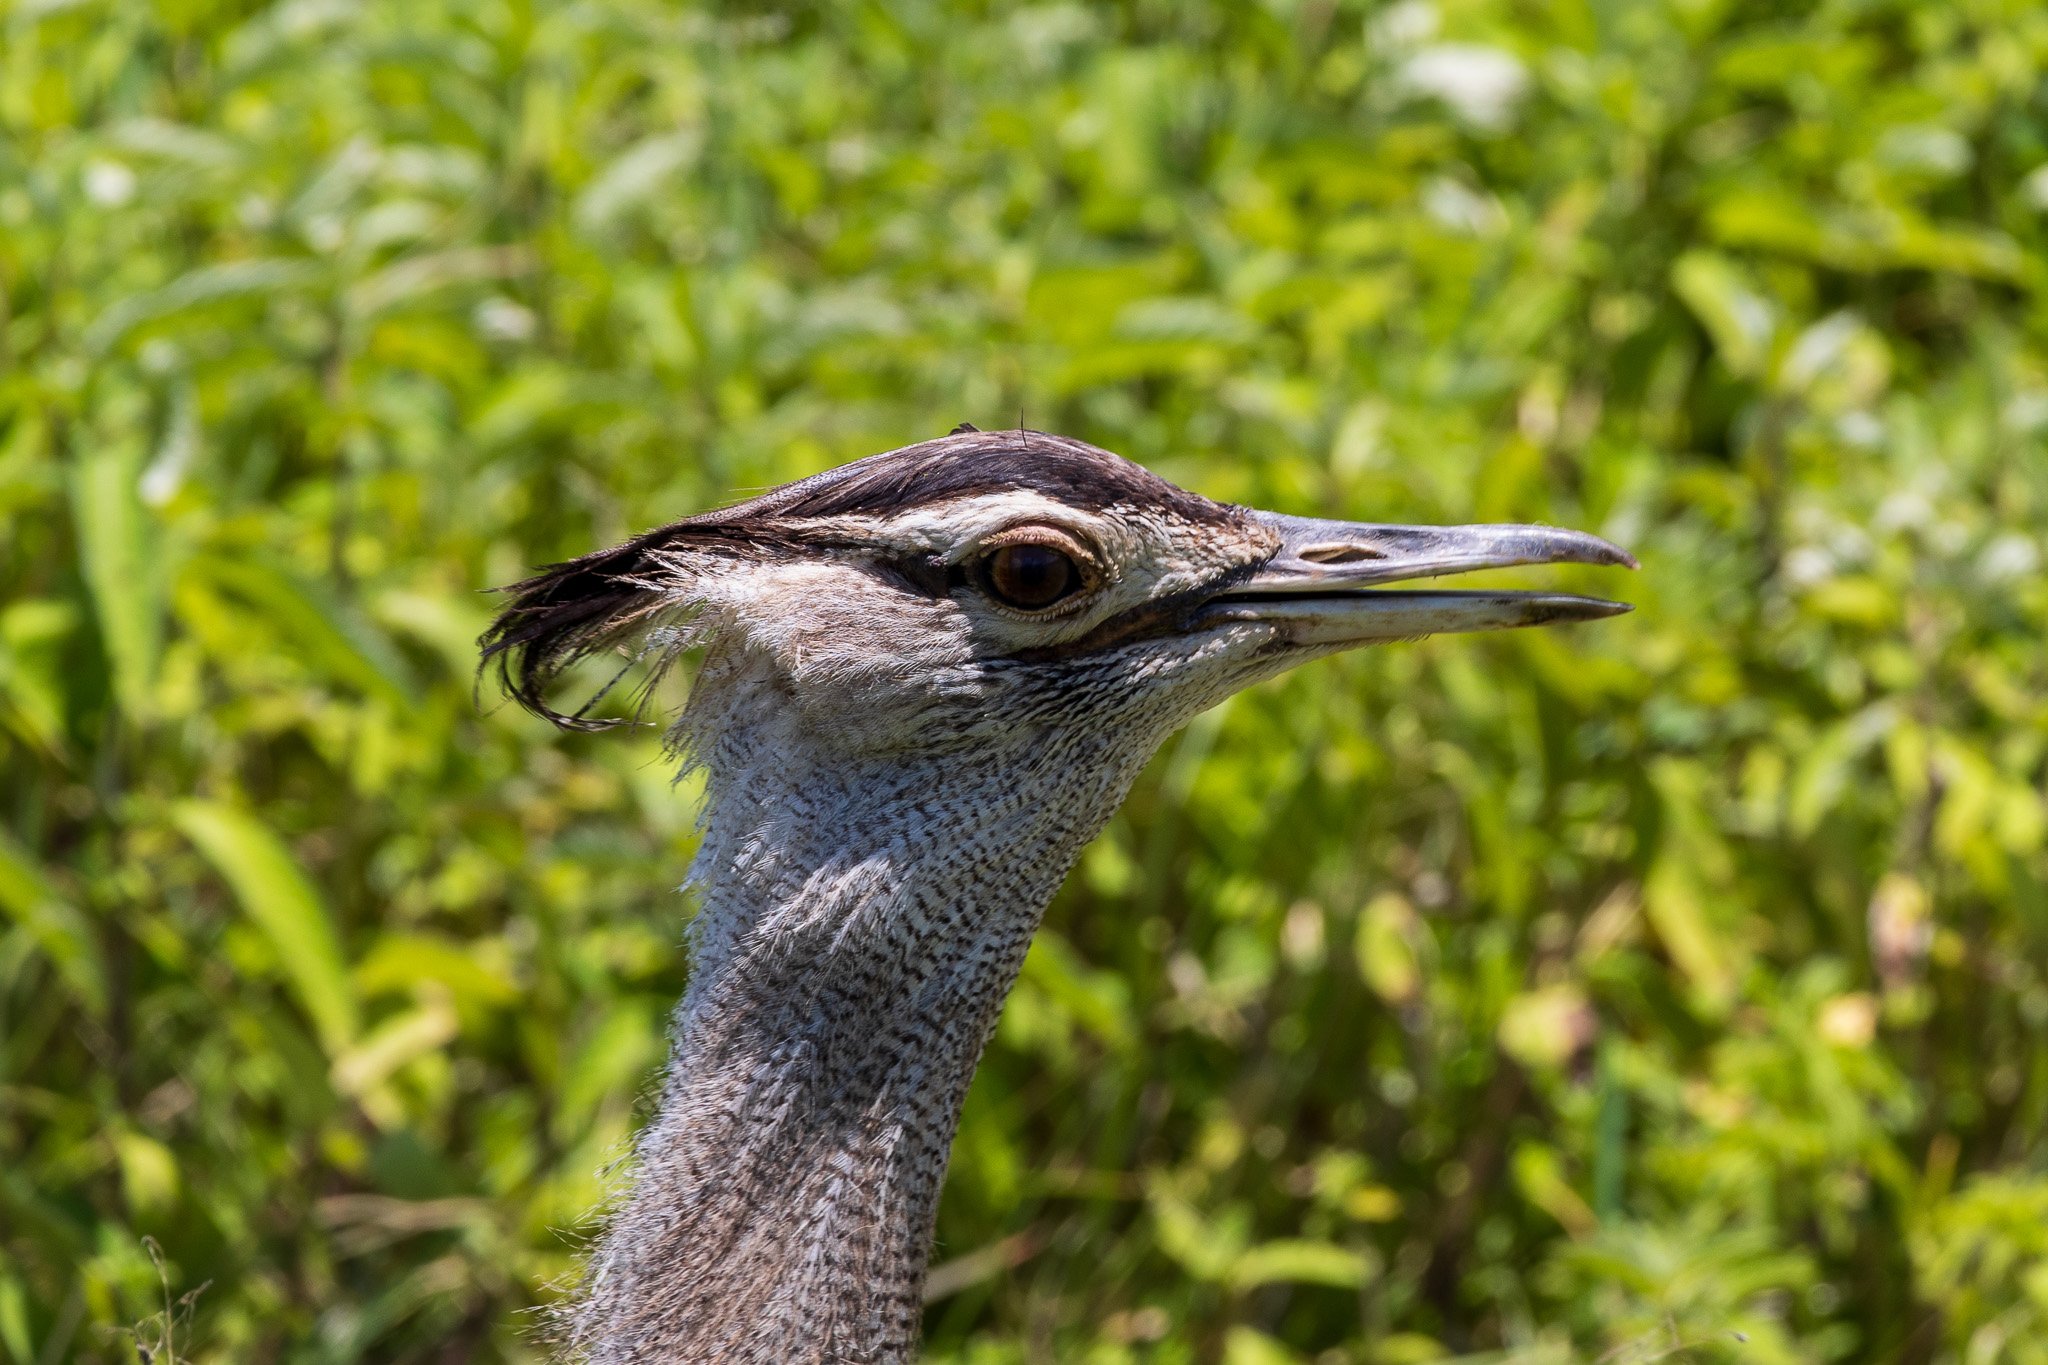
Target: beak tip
[1609, 555]
[1565, 609]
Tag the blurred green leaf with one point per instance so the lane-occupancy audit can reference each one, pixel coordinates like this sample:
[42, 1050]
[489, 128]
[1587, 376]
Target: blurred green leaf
[57, 928]
[278, 899]
[1298, 1262]
[332, 638]
[207, 284]
[1742, 322]
[119, 554]
[1385, 949]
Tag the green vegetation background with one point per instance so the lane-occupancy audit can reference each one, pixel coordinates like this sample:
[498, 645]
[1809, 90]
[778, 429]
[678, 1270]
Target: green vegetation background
[1672, 989]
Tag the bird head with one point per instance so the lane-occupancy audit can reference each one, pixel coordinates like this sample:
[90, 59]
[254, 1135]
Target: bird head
[988, 586]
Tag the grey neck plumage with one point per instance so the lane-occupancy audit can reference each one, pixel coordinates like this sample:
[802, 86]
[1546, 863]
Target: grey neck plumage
[862, 920]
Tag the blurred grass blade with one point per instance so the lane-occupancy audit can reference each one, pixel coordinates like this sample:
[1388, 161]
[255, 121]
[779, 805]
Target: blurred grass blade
[1742, 322]
[207, 284]
[1680, 888]
[1299, 1261]
[116, 550]
[34, 684]
[415, 276]
[328, 635]
[54, 924]
[634, 176]
[278, 899]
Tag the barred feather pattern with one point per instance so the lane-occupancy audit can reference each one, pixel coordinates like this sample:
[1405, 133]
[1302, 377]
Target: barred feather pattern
[861, 924]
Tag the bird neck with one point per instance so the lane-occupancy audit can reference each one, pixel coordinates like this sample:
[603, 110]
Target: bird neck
[863, 918]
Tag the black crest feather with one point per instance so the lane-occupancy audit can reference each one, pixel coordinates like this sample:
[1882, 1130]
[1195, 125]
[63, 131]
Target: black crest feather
[566, 613]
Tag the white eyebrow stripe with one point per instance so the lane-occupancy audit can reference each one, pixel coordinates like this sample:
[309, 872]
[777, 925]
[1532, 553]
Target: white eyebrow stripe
[955, 526]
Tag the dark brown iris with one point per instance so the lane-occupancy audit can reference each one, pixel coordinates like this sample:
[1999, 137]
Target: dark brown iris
[1031, 577]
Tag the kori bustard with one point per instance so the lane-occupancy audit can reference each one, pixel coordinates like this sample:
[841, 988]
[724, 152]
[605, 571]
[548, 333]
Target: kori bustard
[928, 678]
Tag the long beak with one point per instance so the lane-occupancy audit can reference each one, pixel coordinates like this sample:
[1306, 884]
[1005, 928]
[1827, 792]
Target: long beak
[1318, 587]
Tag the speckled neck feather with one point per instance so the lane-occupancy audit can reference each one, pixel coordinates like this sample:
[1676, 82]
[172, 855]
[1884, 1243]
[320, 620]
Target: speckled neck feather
[861, 925]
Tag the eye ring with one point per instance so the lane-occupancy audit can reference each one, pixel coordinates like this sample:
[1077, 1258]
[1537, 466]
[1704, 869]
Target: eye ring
[1030, 575]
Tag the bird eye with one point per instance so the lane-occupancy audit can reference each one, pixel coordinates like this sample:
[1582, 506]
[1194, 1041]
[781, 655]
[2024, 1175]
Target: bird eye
[1031, 577]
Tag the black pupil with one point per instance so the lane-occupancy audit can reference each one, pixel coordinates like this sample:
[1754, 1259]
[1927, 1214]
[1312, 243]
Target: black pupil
[1031, 575]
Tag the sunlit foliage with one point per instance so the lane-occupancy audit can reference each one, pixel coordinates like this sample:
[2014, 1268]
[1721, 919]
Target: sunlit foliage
[1672, 989]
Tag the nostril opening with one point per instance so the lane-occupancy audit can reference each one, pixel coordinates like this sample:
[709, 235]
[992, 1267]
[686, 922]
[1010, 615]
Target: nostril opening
[1341, 554]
